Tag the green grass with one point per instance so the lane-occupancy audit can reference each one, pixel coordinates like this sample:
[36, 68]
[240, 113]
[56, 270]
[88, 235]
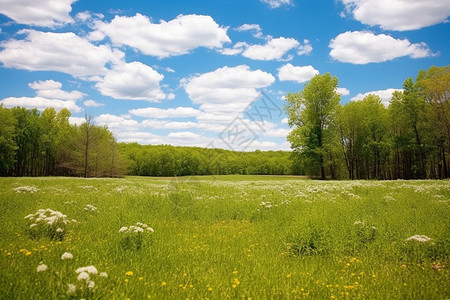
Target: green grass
[214, 238]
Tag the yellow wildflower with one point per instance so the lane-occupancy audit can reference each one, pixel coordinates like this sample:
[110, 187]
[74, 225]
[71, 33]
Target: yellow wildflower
[163, 283]
[129, 273]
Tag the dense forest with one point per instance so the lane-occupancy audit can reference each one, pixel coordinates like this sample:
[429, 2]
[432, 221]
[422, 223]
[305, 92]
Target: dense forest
[409, 139]
[44, 144]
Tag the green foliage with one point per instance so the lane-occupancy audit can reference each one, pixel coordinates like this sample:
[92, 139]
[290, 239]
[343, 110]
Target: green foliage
[33, 143]
[166, 160]
[409, 139]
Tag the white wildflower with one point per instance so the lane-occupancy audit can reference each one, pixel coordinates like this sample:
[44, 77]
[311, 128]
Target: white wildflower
[91, 285]
[72, 289]
[67, 255]
[41, 268]
[59, 230]
[83, 276]
[150, 229]
[418, 238]
[103, 274]
[358, 223]
[123, 229]
[88, 269]
[90, 207]
[33, 225]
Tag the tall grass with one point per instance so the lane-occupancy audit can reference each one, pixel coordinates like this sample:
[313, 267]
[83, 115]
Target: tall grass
[229, 237]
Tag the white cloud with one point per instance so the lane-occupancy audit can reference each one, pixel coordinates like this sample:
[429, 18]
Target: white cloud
[362, 47]
[183, 135]
[289, 72]
[343, 91]
[158, 113]
[399, 14]
[132, 81]
[46, 13]
[385, 95]
[285, 121]
[48, 94]
[76, 120]
[227, 89]
[274, 49]
[278, 3]
[257, 32]
[51, 89]
[305, 49]
[40, 103]
[63, 52]
[92, 103]
[116, 122]
[175, 37]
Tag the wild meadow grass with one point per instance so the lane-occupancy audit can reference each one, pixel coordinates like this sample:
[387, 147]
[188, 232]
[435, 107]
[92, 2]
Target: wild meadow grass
[224, 237]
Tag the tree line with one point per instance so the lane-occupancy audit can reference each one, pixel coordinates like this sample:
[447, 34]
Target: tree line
[409, 139]
[45, 144]
[167, 160]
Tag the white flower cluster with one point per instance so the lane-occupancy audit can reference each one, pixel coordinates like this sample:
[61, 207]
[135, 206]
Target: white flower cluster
[418, 238]
[26, 189]
[137, 228]
[85, 276]
[90, 207]
[48, 222]
[42, 267]
[267, 204]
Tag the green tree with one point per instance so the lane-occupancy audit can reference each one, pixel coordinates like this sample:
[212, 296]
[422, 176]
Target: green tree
[8, 145]
[312, 112]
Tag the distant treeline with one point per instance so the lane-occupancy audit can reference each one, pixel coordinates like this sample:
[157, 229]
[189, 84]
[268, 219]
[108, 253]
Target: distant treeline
[409, 139]
[166, 160]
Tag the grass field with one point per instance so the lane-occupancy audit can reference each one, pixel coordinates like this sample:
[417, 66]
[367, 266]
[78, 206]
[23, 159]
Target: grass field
[224, 237]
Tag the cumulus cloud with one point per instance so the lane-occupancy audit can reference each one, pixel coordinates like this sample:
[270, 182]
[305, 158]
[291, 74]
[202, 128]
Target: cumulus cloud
[63, 52]
[48, 95]
[158, 113]
[116, 122]
[299, 74]
[343, 91]
[385, 95]
[305, 48]
[92, 103]
[255, 28]
[227, 89]
[132, 81]
[175, 37]
[278, 3]
[399, 14]
[274, 49]
[45, 13]
[363, 47]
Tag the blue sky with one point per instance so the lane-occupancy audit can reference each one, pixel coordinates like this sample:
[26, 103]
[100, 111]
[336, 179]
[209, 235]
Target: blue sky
[193, 73]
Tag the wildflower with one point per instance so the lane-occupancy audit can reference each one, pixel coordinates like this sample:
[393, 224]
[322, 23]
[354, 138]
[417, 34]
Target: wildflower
[72, 289]
[41, 268]
[91, 285]
[33, 225]
[83, 276]
[88, 269]
[123, 229]
[90, 207]
[103, 274]
[67, 255]
[59, 230]
[163, 283]
[418, 238]
[27, 253]
[129, 273]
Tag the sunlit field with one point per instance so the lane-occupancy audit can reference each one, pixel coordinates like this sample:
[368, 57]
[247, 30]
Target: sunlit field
[223, 237]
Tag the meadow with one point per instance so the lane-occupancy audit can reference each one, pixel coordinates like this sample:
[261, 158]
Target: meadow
[223, 237]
